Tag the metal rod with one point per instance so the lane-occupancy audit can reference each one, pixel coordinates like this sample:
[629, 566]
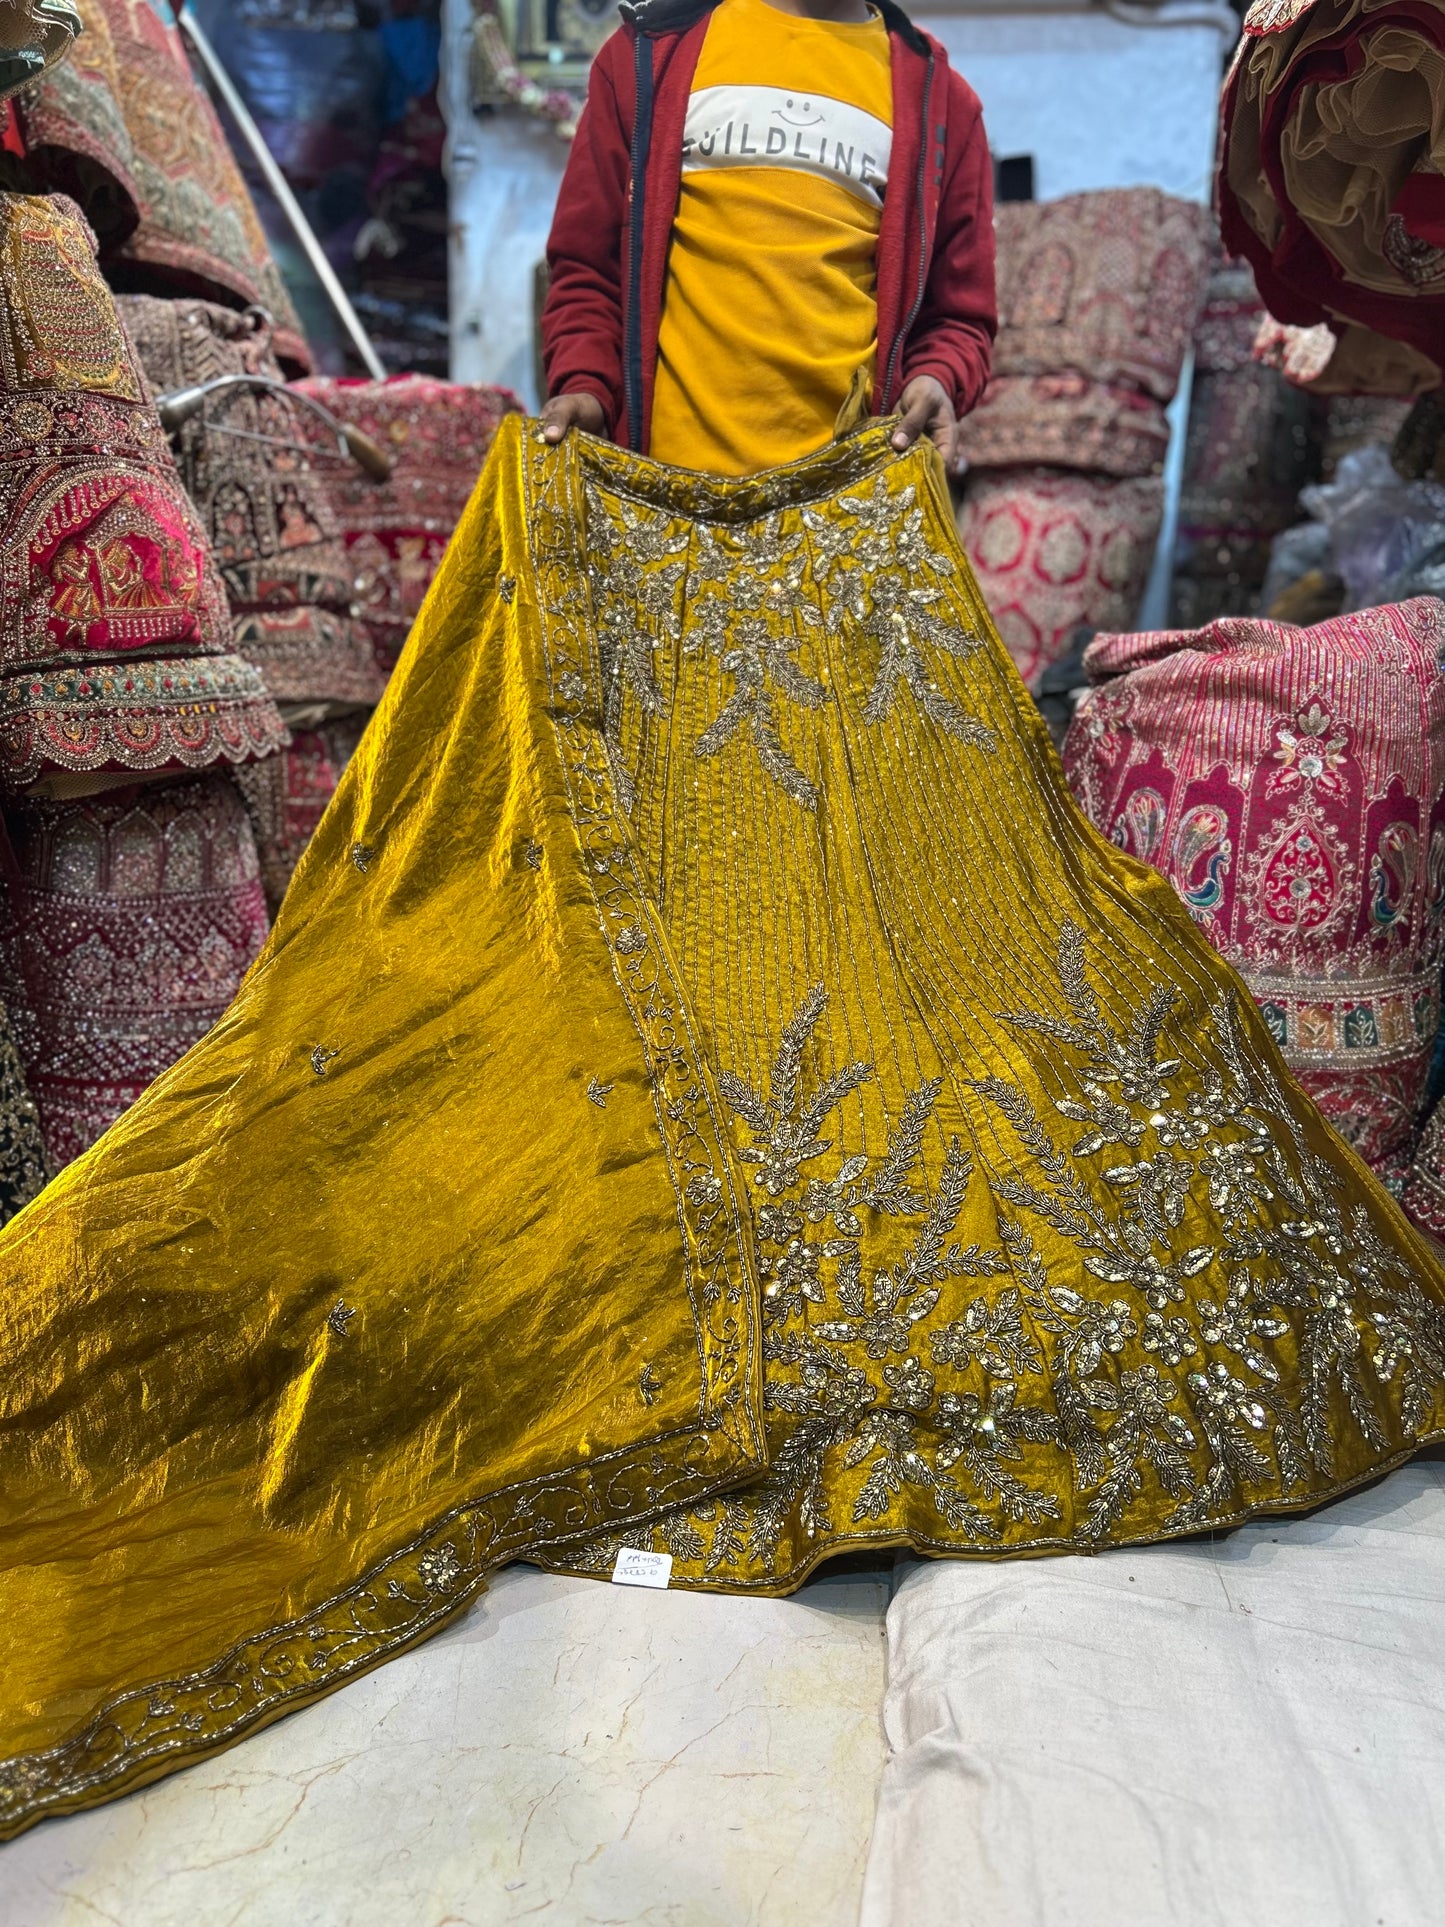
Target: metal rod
[281, 188]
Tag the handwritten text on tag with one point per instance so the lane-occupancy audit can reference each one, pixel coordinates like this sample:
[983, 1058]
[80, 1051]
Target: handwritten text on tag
[634, 1568]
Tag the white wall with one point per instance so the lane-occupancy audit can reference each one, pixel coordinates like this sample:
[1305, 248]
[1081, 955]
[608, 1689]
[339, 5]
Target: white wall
[1098, 102]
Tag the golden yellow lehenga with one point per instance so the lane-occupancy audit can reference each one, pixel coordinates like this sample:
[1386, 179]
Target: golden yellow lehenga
[707, 1089]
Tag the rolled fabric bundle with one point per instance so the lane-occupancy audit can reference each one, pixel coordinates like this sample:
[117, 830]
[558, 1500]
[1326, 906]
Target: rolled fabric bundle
[1248, 452]
[1098, 295]
[264, 502]
[1056, 551]
[35, 35]
[1290, 784]
[437, 434]
[115, 641]
[136, 915]
[1332, 179]
[126, 127]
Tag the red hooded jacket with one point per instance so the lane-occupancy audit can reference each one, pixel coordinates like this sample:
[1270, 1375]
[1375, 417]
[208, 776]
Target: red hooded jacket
[937, 308]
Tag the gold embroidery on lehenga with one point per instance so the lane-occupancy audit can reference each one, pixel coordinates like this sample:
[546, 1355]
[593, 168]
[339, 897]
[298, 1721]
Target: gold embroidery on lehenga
[752, 595]
[749, 603]
[1088, 1274]
[886, 580]
[1056, 1420]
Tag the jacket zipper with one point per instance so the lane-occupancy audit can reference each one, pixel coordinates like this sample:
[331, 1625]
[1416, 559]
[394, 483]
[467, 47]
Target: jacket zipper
[886, 400]
[641, 147]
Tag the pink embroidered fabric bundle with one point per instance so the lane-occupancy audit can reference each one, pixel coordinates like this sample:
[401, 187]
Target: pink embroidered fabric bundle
[1290, 783]
[1098, 295]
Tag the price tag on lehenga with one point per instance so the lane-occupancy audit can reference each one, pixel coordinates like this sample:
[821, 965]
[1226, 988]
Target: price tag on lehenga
[635, 1568]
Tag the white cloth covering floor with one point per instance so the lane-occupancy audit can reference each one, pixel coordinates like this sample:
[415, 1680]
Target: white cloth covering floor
[1248, 1732]
[569, 1753]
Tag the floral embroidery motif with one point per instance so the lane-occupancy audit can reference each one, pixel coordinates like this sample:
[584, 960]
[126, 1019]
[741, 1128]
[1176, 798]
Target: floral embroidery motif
[753, 596]
[888, 582]
[1210, 1241]
[598, 1093]
[340, 1316]
[748, 605]
[321, 1059]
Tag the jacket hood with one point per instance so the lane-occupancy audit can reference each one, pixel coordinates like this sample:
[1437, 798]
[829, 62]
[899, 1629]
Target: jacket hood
[658, 17]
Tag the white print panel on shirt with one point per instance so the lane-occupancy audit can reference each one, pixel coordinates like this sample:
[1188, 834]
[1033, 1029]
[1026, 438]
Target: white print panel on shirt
[770, 127]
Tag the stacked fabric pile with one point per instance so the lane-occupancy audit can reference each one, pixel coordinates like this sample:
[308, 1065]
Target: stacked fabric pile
[1290, 783]
[266, 505]
[123, 127]
[437, 435]
[1250, 449]
[133, 896]
[134, 906]
[1333, 175]
[1098, 296]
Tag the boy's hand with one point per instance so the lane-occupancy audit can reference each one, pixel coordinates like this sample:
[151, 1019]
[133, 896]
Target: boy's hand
[925, 408]
[574, 411]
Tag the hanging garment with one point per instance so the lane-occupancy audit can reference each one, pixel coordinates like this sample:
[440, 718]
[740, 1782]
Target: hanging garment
[126, 128]
[115, 646]
[264, 502]
[708, 1091]
[1332, 172]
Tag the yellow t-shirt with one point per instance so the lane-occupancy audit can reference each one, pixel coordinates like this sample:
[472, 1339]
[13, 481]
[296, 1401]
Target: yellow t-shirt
[771, 305]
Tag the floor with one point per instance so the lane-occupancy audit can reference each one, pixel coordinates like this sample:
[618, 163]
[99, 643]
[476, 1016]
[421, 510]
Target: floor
[570, 1753]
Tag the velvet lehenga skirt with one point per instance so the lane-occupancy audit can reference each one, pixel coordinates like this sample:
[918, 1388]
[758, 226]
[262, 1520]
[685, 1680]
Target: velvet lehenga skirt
[708, 1090]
